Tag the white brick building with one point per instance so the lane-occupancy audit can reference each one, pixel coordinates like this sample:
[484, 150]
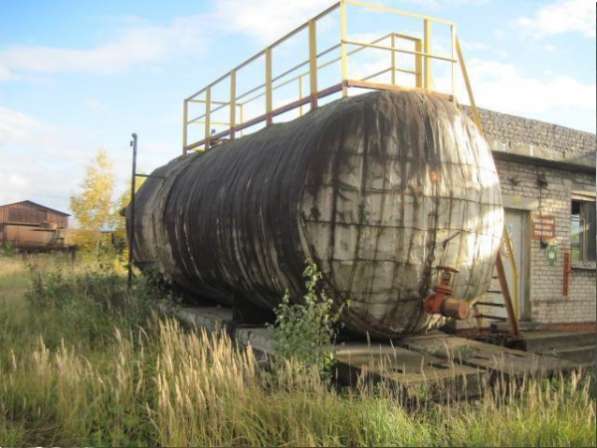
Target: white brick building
[548, 172]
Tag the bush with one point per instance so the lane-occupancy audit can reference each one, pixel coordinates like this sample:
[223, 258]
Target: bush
[7, 249]
[86, 305]
[305, 331]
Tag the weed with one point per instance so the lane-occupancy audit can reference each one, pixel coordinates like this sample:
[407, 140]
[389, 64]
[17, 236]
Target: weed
[7, 249]
[305, 331]
[139, 380]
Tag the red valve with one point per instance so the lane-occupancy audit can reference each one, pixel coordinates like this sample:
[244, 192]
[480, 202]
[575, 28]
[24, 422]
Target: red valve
[441, 301]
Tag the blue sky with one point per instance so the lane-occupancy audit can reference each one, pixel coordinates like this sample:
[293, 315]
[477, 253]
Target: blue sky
[79, 76]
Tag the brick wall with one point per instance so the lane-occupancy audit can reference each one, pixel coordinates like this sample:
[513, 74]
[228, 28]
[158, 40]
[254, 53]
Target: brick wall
[510, 133]
[540, 140]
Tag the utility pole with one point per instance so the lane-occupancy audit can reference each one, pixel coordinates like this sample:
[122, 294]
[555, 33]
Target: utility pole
[131, 225]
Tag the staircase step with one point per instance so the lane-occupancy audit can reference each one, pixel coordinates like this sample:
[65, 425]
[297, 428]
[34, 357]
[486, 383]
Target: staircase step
[490, 317]
[498, 305]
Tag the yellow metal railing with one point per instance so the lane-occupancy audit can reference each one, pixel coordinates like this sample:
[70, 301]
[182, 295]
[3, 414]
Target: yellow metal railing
[221, 97]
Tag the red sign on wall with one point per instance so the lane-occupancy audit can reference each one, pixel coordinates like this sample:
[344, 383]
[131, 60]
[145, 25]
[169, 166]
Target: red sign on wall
[544, 227]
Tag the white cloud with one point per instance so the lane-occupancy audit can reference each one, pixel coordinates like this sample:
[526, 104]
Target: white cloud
[5, 74]
[504, 88]
[46, 163]
[469, 45]
[95, 105]
[140, 44]
[265, 20]
[438, 4]
[16, 126]
[38, 161]
[563, 16]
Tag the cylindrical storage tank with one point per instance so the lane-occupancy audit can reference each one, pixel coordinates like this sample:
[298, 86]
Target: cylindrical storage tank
[378, 190]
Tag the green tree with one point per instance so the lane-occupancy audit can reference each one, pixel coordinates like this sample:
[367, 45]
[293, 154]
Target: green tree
[93, 207]
[120, 205]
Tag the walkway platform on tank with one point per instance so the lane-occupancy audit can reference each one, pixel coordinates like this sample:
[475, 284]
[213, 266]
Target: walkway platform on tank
[436, 365]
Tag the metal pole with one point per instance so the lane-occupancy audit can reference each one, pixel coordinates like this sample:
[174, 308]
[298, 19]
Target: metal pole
[393, 40]
[232, 104]
[131, 233]
[343, 48]
[428, 76]
[185, 124]
[313, 63]
[469, 89]
[268, 86]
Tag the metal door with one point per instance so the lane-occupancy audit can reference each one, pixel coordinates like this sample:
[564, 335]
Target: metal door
[517, 226]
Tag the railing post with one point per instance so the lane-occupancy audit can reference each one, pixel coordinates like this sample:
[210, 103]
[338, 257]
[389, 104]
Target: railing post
[242, 116]
[313, 63]
[453, 69]
[185, 125]
[232, 103]
[393, 39]
[300, 80]
[268, 84]
[428, 77]
[343, 51]
[419, 63]
[467, 83]
[207, 117]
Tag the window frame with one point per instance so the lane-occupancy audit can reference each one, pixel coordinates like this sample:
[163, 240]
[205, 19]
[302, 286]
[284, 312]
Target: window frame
[585, 255]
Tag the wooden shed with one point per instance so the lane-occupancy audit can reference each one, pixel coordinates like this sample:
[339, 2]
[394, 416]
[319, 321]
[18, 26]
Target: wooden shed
[26, 224]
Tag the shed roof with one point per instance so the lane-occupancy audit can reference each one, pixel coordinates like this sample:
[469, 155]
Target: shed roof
[35, 204]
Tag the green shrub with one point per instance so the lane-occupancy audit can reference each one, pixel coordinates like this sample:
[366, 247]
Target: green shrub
[7, 249]
[83, 306]
[305, 331]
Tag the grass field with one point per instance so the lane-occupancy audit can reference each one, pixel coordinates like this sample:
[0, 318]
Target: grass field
[84, 362]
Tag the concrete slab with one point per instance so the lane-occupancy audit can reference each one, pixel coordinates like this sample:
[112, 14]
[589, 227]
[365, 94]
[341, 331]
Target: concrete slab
[417, 375]
[435, 367]
[260, 340]
[577, 347]
[547, 340]
[490, 357]
[212, 318]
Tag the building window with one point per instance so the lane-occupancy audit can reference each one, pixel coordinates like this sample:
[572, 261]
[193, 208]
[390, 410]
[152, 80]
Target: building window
[582, 230]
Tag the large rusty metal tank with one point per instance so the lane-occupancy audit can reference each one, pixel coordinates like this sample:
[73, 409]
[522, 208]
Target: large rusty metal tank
[378, 190]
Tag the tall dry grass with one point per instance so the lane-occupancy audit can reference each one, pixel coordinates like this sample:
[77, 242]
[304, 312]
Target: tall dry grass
[156, 383]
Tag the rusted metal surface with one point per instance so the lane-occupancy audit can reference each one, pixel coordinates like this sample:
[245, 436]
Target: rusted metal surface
[567, 274]
[28, 225]
[23, 236]
[31, 213]
[440, 301]
[378, 190]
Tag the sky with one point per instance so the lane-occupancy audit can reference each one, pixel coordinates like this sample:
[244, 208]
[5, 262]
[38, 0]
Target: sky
[77, 76]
